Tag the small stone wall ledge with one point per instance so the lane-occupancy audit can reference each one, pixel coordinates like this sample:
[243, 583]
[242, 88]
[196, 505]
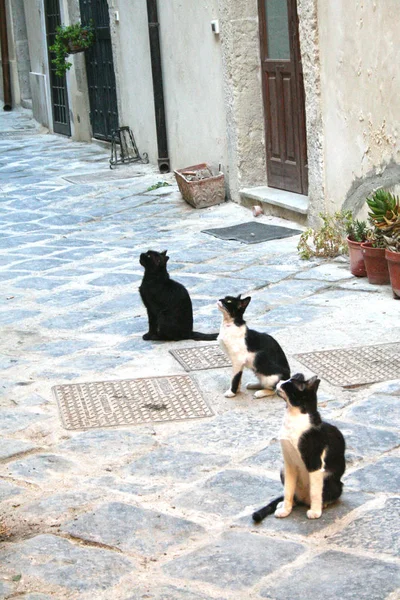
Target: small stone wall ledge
[287, 200]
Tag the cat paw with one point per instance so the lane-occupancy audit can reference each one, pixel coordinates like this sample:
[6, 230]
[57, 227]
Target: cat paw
[253, 386]
[280, 505]
[281, 513]
[149, 336]
[264, 393]
[229, 394]
[314, 514]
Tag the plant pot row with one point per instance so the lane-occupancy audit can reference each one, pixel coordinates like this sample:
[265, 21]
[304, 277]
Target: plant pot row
[380, 265]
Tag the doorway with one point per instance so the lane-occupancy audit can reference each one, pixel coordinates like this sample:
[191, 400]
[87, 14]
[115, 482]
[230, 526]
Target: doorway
[58, 85]
[100, 70]
[283, 92]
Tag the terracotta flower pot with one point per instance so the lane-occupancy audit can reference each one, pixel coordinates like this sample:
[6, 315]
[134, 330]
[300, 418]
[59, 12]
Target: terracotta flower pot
[375, 264]
[357, 266]
[393, 261]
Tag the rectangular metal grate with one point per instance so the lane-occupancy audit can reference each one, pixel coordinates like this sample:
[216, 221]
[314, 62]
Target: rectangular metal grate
[201, 357]
[130, 402]
[348, 367]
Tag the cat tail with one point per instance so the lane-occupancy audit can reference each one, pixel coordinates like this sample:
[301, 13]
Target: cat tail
[196, 335]
[259, 515]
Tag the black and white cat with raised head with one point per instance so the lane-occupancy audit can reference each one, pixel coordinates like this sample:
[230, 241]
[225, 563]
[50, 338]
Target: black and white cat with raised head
[249, 348]
[313, 453]
[168, 304]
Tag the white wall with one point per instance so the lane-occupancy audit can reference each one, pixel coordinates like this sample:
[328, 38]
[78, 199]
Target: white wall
[360, 84]
[193, 79]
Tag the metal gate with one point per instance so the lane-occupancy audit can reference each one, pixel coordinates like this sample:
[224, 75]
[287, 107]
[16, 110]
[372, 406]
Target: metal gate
[100, 70]
[58, 85]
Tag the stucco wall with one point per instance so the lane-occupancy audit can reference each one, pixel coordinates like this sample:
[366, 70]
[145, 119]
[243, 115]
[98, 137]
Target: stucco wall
[360, 56]
[192, 72]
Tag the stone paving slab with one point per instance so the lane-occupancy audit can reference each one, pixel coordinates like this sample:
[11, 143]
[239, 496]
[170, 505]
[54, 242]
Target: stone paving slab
[76, 568]
[11, 447]
[166, 462]
[378, 530]
[125, 527]
[334, 575]
[229, 492]
[236, 561]
[297, 522]
[40, 467]
[382, 476]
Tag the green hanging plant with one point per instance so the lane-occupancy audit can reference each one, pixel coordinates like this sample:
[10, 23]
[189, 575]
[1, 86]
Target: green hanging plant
[70, 39]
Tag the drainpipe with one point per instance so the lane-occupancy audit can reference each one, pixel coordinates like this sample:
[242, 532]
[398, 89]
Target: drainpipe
[156, 69]
[5, 62]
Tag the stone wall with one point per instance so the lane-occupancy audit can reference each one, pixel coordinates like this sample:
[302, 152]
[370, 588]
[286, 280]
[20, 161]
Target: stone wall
[243, 94]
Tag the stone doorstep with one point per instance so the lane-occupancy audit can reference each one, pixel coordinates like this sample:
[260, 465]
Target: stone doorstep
[281, 198]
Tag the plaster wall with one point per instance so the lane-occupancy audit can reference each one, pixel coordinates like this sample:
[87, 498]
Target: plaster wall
[360, 54]
[132, 68]
[192, 75]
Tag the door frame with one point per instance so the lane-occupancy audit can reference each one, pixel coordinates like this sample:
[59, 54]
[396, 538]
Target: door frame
[293, 64]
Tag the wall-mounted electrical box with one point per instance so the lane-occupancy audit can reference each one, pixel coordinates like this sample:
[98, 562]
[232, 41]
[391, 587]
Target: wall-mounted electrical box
[215, 27]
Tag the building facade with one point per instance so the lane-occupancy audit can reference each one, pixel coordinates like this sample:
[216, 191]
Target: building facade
[297, 100]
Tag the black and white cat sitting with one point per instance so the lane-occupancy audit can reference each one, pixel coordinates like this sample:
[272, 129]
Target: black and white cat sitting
[248, 348]
[168, 304]
[313, 453]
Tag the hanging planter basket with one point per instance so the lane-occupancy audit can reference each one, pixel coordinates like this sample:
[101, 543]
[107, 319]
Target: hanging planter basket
[70, 39]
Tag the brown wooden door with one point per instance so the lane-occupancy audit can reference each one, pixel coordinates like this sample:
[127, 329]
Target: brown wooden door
[283, 91]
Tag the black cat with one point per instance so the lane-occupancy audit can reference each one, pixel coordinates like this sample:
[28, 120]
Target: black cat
[248, 348]
[313, 453]
[168, 303]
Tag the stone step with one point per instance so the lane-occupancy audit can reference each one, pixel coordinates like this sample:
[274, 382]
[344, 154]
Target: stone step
[287, 200]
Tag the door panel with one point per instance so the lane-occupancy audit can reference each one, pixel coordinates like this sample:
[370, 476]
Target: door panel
[100, 70]
[283, 96]
[58, 85]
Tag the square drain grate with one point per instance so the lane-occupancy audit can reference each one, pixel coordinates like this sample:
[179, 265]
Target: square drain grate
[201, 357]
[130, 402]
[355, 366]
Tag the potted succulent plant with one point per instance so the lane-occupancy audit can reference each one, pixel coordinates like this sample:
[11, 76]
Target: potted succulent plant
[383, 213]
[70, 39]
[356, 235]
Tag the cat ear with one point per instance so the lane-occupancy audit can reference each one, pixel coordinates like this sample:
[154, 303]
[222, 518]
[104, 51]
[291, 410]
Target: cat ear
[166, 258]
[298, 381]
[245, 302]
[313, 383]
[164, 252]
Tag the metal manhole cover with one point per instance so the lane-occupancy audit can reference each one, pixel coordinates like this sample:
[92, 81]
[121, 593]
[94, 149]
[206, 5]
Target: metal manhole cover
[355, 366]
[130, 402]
[201, 357]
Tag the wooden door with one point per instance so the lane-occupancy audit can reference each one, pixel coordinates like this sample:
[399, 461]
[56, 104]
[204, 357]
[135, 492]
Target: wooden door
[58, 85]
[283, 92]
[100, 70]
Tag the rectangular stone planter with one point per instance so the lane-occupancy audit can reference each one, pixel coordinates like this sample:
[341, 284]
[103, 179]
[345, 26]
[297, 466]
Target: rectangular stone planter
[200, 193]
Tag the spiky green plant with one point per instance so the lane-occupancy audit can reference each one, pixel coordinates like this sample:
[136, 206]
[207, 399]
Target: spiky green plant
[385, 216]
[357, 231]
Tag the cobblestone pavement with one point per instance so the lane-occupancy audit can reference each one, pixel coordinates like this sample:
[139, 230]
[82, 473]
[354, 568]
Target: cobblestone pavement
[163, 511]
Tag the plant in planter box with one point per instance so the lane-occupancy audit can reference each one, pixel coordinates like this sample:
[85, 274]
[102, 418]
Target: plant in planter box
[357, 232]
[70, 39]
